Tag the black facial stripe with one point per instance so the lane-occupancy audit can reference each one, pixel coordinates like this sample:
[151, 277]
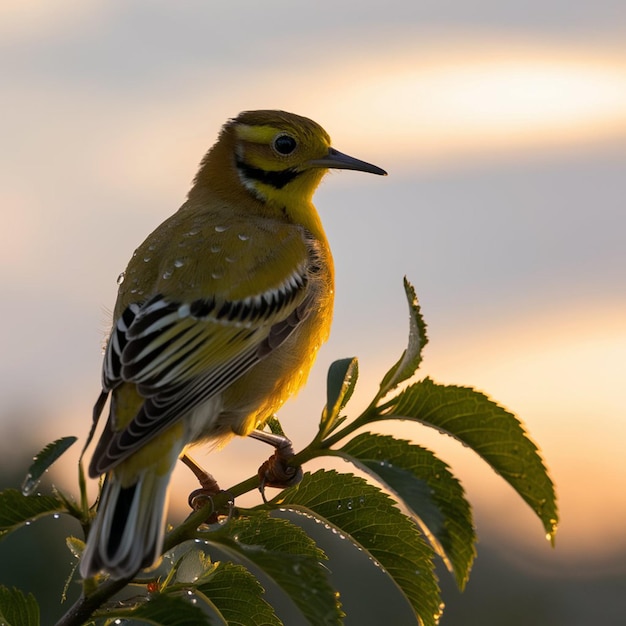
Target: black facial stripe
[276, 179]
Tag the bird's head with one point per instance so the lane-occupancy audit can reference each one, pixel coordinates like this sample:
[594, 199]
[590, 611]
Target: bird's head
[277, 157]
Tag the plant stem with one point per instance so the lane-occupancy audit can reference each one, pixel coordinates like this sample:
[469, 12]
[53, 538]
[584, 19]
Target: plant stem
[84, 607]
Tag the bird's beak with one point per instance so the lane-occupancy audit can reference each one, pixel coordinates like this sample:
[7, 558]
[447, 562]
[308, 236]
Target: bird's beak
[340, 161]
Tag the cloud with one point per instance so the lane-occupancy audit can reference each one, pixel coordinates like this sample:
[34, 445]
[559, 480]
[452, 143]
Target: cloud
[28, 20]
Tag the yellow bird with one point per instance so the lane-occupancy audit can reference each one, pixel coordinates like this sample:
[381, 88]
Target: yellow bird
[219, 316]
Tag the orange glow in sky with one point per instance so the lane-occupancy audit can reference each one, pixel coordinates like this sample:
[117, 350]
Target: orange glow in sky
[479, 98]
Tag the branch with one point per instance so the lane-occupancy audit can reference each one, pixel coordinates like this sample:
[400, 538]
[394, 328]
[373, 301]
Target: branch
[84, 607]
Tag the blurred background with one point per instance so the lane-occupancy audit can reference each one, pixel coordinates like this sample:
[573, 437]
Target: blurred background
[503, 129]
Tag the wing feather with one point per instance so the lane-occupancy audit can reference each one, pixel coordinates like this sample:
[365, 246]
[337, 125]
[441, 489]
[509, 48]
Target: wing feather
[179, 356]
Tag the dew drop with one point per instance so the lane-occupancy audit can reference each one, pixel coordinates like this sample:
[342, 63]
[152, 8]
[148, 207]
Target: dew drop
[243, 237]
[221, 229]
[215, 248]
[554, 526]
[29, 485]
[120, 278]
[179, 263]
[167, 274]
[217, 274]
[147, 259]
[439, 612]
[56, 516]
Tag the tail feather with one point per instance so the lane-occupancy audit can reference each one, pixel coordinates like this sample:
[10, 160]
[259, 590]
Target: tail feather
[127, 534]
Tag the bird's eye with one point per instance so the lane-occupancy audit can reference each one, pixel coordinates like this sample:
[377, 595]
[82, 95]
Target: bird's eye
[284, 144]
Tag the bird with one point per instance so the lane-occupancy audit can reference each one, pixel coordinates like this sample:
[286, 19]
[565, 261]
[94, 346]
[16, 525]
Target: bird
[219, 316]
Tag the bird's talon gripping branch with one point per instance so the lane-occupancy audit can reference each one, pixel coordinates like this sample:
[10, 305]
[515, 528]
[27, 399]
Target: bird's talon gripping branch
[199, 498]
[277, 471]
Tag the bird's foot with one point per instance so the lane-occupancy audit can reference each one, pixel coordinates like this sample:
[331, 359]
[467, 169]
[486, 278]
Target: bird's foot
[199, 498]
[277, 471]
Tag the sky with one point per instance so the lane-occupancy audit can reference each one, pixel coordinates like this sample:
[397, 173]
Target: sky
[503, 129]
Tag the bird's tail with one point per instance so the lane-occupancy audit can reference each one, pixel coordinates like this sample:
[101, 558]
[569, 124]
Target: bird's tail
[127, 534]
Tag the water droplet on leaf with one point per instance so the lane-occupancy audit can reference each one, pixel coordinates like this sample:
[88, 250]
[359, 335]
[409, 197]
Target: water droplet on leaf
[29, 485]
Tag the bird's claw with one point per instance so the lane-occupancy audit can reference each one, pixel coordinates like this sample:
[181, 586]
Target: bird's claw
[199, 498]
[277, 471]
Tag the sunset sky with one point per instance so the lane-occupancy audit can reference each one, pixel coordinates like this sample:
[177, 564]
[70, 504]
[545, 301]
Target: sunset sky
[503, 129]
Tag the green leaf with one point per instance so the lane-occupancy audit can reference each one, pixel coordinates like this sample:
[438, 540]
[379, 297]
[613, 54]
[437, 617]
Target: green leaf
[368, 518]
[237, 596]
[165, 610]
[75, 545]
[412, 357]
[426, 487]
[275, 426]
[340, 384]
[284, 552]
[17, 608]
[43, 461]
[488, 429]
[191, 567]
[18, 510]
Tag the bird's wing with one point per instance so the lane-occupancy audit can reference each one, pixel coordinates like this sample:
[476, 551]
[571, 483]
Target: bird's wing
[178, 354]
